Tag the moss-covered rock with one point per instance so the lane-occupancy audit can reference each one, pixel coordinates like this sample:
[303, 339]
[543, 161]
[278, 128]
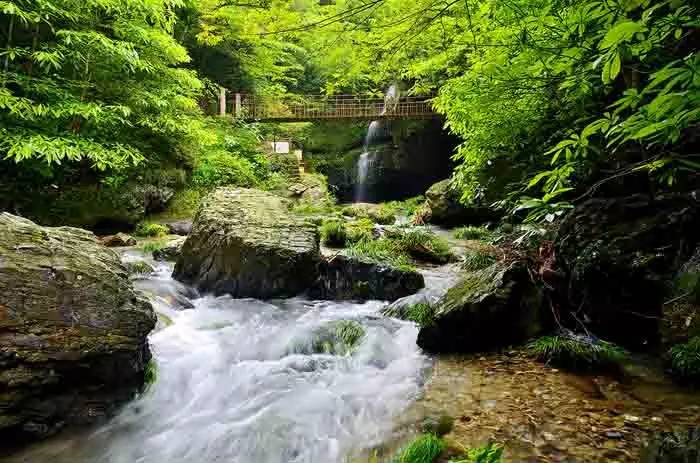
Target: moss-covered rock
[139, 267]
[352, 278]
[619, 255]
[489, 308]
[246, 243]
[118, 240]
[170, 250]
[72, 329]
[443, 207]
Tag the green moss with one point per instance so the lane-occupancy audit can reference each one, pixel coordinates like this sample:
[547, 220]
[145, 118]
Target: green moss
[426, 448]
[472, 233]
[359, 230]
[184, 205]
[150, 375]
[334, 234]
[685, 359]
[577, 352]
[149, 229]
[379, 214]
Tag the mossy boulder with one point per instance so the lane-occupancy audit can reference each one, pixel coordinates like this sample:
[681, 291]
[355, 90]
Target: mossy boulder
[170, 250]
[489, 308]
[352, 278]
[619, 255]
[443, 207]
[246, 243]
[118, 240]
[73, 342]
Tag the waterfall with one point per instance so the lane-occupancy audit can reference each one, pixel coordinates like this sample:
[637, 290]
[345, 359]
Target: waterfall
[367, 158]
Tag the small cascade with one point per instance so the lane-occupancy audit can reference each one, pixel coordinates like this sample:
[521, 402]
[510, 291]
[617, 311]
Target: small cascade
[367, 158]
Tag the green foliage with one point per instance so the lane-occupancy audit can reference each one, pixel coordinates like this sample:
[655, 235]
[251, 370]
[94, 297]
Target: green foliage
[421, 313]
[150, 246]
[334, 233]
[578, 352]
[359, 230]
[382, 251]
[220, 168]
[148, 229]
[150, 374]
[425, 246]
[99, 81]
[472, 233]
[335, 338]
[477, 259]
[491, 453]
[685, 359]
[380, 214]
[406, 207]
[426, 448]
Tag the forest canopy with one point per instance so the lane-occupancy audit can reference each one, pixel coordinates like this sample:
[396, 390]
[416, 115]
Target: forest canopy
[555, 97]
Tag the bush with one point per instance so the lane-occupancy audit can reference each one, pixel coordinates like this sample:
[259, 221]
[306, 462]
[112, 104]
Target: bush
[220, 168]
[477, 259]
[577, 351]
[146, 229]
[426, 448]
[685, 359]
[472, 233]
[334, 234]
[426, 246]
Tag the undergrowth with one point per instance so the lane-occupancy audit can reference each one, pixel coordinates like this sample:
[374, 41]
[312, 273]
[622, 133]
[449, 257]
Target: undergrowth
[420, 313]
[382, 251]
[472, 233]
[577, 351]
[334, 234]
[426, 246]
[477, 259]
[426, 448]
[151, 246]
[685, 359]
[149, 229]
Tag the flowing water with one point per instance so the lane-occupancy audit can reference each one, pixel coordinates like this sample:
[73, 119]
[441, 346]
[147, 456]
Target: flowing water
[230, 389]
[367, 158]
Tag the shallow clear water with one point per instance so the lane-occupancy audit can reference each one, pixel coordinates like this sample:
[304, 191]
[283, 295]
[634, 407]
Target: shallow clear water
[229, 390]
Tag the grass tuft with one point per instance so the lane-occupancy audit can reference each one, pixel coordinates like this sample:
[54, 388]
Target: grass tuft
[685, 359]
[334, 234]
[426, 448]
[382, 251]
[577, 351]
[489, 454]
[421, 313]
[150, 375]
[477, 259]
[472, 233]
[151, 246]
[426, 246]
[149, 229]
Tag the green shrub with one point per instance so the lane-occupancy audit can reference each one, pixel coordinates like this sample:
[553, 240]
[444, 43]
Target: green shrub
[334, 234]
[147, 229]
[472, 233]
[577, 351]
[477, 259]
[382, 216]
[426, 246]
[685, 359]
[426, 448]
[220, 168]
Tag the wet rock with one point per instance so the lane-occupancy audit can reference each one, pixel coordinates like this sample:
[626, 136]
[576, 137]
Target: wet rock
[619, 255]
[170, 251]
[489, 308]
[73, 331]
[350, 278]
[246, 243]
[681, 310]
[672, 447]
[444, 208]
[118, 240]
[179, 227]
[438, 425]
[138, 267]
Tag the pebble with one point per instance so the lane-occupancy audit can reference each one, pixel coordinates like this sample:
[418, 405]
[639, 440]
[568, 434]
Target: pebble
[613, 434]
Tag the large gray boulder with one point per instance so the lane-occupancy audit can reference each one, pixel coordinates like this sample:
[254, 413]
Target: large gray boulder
[445, 208]
[350, 278]
[73, 331]
[246, 243]
[488, 308]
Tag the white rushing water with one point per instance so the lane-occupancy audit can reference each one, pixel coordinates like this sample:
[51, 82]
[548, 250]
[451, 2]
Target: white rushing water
[230, 389]
[367, 158]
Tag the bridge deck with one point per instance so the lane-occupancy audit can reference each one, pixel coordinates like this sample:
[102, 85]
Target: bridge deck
[317, 107]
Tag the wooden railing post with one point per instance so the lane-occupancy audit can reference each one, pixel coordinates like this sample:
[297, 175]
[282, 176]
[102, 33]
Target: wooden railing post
[222, 101]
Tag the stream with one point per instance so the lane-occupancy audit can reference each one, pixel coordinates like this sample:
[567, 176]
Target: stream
[230, 389]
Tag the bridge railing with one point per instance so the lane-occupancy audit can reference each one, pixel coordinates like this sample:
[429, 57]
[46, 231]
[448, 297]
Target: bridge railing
[315, 107]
